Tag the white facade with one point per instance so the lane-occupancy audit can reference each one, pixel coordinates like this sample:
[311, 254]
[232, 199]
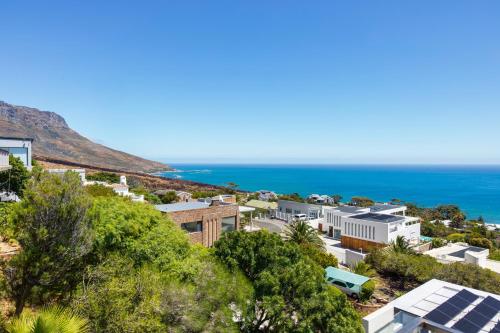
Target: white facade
[287, 209]
[18, 147]
[4, 160]
[369, 227]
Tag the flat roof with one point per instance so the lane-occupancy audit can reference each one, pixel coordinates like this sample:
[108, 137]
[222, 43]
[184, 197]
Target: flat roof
[350, 209]
[16, 138]
[262, 204]
[443, 303]
[345, 276]
[180, 206]
[379, 207]
[383, 218]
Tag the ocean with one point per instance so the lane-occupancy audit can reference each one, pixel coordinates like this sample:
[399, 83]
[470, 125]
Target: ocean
[476, 189]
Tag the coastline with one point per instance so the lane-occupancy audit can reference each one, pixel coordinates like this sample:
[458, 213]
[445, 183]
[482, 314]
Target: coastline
[474, 188]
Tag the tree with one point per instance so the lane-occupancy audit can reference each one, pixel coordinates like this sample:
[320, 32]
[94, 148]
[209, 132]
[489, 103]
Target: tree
[108, 177]
[54, 234]
[362, 268]
[302, 233]
[319, 255]
[48, 320]
[169, 197]
[290, 291]
[438, 242]
[401, 245]
[98, 190]
[457, 220]
[14, 179]
[362, 202]
[336, 198]
[291, 197]
[232, 185]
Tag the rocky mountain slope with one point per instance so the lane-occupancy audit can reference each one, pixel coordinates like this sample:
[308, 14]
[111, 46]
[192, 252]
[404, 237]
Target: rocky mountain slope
[55, 140]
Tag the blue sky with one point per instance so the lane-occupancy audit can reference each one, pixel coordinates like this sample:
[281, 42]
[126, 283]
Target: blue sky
[264, 81]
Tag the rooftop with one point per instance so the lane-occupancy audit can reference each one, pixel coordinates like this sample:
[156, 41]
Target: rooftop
[446, 306]
[382, 218]
[379, 207]
[15, 138]
[262, 204]
[350, 209]
[180, 206]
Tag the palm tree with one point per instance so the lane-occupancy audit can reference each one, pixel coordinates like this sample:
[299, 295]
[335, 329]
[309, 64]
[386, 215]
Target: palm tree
[362, 268]
[300, 232]
[401, 245]
[48, 320]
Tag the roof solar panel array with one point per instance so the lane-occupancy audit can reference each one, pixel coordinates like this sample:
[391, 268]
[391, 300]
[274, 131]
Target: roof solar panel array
[478, 317]
[452, 307]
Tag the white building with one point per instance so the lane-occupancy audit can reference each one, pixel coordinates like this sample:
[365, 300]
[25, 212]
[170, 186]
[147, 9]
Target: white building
[379, 228]
[321, 199]
[462, 252]
[18, 147]
[333, 216]
[287, 209]
[438, 306]
[122, 189]
[266, 195]
[4, 160]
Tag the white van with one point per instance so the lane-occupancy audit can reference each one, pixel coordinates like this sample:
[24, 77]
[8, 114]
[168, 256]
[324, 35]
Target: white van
[300, 217]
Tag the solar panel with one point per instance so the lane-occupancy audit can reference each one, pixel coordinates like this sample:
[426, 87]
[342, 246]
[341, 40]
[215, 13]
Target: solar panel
[496, 329]
[453, 306]
[478, 317]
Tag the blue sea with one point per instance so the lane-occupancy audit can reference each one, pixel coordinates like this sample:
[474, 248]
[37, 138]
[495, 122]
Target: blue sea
[476, 189]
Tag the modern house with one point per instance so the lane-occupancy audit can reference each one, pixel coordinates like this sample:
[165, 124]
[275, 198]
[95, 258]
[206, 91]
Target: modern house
[463, 252]
[204, 221]
[18, 147]
[266, 195]
[288, 209]
[372, 230]
[369, 227]
[320, 199]
[182, 196]
[438, 306]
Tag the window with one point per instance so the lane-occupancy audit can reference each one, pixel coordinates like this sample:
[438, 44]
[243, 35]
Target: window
[228, 223]
[366, 231]
[296, 211]
[340, 283]
[370, 232]
[192, 226]
[288, 210]
[373, 232]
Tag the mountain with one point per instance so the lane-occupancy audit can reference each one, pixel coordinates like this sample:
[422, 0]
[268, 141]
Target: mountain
[55, 140]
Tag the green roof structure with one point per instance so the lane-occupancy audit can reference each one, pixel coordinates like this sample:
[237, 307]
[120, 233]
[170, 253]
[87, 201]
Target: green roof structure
[339, 274]
[262, 204]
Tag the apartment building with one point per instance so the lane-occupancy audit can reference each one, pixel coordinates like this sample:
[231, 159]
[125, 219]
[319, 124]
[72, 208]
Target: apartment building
[204, 221]
[18, 147]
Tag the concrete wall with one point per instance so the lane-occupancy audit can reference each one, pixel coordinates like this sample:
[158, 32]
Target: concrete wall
[409, 232]
[211, 218]
[361, 229]
[19, 148]
[4, 159]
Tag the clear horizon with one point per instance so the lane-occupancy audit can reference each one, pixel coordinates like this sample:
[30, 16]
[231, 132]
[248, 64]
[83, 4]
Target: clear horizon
[234, 82]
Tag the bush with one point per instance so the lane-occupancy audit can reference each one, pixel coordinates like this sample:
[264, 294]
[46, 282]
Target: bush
[481, 242]
[438, 242]
[411, 270]
[169, 197]
[362, 202]
[102, 176]
[16, 178]
[98, 190]
[367, 290]
[456, 238]
[320, 257]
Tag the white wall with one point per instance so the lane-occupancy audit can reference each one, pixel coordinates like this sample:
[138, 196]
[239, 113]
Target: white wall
[19, 148]
[409, 232]
[361, 229]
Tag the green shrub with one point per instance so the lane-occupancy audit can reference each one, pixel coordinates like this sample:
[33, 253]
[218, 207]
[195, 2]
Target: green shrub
[98, 190]
[456, 238]
[437, 242]
[367, 290]
[102, 176]
[481, 242]
[319, 256]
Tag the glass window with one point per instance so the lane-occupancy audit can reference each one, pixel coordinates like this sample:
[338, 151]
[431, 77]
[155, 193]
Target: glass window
[192, 226]
[340, 283]
[228, 223]
[288, 210]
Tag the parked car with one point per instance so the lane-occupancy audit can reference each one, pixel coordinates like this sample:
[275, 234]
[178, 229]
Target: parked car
[300, 217]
